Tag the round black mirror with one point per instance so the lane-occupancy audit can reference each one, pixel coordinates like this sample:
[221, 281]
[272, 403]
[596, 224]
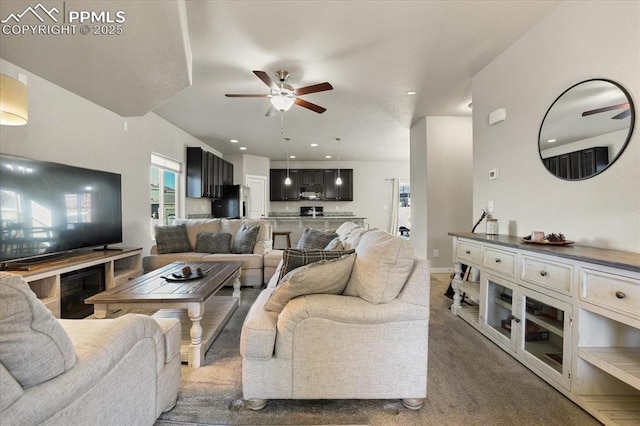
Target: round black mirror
[586, 129]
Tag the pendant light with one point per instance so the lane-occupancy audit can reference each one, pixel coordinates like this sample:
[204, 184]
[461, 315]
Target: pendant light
[287, 180]
[14, 109]
[339, 179]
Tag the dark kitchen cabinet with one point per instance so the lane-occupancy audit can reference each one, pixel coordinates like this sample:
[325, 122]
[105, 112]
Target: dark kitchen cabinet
[206, 174]
[281, 192]
[311, 177]
[227, 173]
[578, 164]
[198, 173]
[334, 192]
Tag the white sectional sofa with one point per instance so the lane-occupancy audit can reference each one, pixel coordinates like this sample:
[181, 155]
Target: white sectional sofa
[252, 271]
[80, 372]
[368, 341]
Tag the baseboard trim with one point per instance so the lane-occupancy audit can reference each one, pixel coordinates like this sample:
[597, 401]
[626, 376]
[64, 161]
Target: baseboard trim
[441, 270]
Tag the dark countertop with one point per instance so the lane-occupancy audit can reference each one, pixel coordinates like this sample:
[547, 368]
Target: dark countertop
[614, 258]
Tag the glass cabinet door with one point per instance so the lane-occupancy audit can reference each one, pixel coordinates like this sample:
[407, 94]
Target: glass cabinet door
[546, 335]
[497, 313]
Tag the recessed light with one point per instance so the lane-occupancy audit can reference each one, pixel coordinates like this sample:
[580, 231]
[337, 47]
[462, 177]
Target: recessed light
[314, 145]
[411, 92]
[292, 156]
[234, 141]
[243, 148]
[552, 141]
[327, 156]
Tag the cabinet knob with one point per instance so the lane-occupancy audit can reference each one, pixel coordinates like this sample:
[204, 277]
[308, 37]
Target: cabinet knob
[468, 252]
[513, 317]
[620, 295]
[543, 273]
[498, 260]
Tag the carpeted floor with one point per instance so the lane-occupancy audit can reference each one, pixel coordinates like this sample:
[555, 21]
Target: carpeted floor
[470, 382]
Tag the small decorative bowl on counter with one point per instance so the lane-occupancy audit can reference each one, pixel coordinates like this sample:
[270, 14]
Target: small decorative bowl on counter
[557, 239]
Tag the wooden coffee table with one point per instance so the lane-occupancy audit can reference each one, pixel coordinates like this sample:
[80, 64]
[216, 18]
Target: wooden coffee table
[175, 297]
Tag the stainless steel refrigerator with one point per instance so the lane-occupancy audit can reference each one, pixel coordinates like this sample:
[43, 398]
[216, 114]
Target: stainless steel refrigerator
[231, 205]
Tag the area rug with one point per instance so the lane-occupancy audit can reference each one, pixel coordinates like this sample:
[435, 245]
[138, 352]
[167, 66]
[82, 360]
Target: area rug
[470, 382]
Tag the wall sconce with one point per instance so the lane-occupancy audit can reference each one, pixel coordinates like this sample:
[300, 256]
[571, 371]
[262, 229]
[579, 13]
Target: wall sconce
[14, 107]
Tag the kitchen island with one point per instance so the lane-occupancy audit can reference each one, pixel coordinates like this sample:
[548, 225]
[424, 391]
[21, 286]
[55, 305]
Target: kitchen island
[296, 223]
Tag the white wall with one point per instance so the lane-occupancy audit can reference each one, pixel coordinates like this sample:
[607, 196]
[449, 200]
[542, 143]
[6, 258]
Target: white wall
[66, 128]
[371, 189]
[575, 42]
[441, 191]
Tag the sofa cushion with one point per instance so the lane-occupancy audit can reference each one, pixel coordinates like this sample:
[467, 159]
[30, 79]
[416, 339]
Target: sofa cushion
[249, 260]
[328, 276]
[34, 347]
[354, 238]
[315, 239]
[345, 229]
[196, 226]
[381, 269]
[294, 258]
[172, 239]
[245, 239]
[213, 242]
[264, 243]
[334, 244]
[11, 389]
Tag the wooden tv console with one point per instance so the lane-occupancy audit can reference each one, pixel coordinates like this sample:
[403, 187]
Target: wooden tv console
[570, 314]
[120, 266]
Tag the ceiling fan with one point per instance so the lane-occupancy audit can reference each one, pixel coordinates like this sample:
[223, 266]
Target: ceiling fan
[282, 96]
[620, 116]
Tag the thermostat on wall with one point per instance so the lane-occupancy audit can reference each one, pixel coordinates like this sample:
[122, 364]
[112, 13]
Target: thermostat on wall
[497, 116]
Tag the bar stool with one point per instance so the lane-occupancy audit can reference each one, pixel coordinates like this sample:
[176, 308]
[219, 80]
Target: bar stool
[275, 234]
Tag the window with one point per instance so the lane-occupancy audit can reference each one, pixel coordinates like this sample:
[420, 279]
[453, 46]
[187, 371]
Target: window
[165, 175]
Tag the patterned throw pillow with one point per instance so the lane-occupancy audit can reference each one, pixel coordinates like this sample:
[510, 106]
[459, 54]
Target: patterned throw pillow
[172, 239]
[245, 239]
[213, 242]
[294, 258]
[323, 277]
[315, 239]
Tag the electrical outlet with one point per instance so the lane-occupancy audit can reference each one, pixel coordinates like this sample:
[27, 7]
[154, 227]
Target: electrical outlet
[436, 253]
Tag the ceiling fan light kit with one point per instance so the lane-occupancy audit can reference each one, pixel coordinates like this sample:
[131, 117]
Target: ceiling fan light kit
[14, 106]
[283, 96]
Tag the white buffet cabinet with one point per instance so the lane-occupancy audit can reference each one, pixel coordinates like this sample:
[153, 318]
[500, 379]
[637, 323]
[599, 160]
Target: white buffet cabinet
[571, 314]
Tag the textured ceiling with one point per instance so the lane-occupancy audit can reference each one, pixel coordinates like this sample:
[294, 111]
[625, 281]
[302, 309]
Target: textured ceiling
[371, 52]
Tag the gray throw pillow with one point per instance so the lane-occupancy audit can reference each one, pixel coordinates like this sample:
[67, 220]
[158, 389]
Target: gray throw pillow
[245, 239]
[323, 277]
[213, 242]
[315, 239]
[34, 347]
[294, 258]
[172, 239]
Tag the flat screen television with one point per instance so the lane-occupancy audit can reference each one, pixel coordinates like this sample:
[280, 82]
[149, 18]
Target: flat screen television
[49, 209]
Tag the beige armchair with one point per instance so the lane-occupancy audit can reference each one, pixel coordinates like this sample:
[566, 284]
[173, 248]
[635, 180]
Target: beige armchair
[368, 343]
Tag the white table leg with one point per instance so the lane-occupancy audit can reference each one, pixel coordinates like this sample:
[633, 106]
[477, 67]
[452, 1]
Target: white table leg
[100, 311]
[236, 285]
[456, 283]
[196, 354]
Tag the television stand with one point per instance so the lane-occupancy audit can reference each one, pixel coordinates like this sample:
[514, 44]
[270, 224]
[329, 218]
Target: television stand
[44, 276]
[26, 265]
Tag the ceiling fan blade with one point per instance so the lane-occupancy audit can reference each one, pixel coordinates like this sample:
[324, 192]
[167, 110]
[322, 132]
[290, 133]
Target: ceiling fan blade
[265, 79]
[623, 114]
[309, 105]
[235, 95]
[320, 87]
[271, 111]
[605, 109]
